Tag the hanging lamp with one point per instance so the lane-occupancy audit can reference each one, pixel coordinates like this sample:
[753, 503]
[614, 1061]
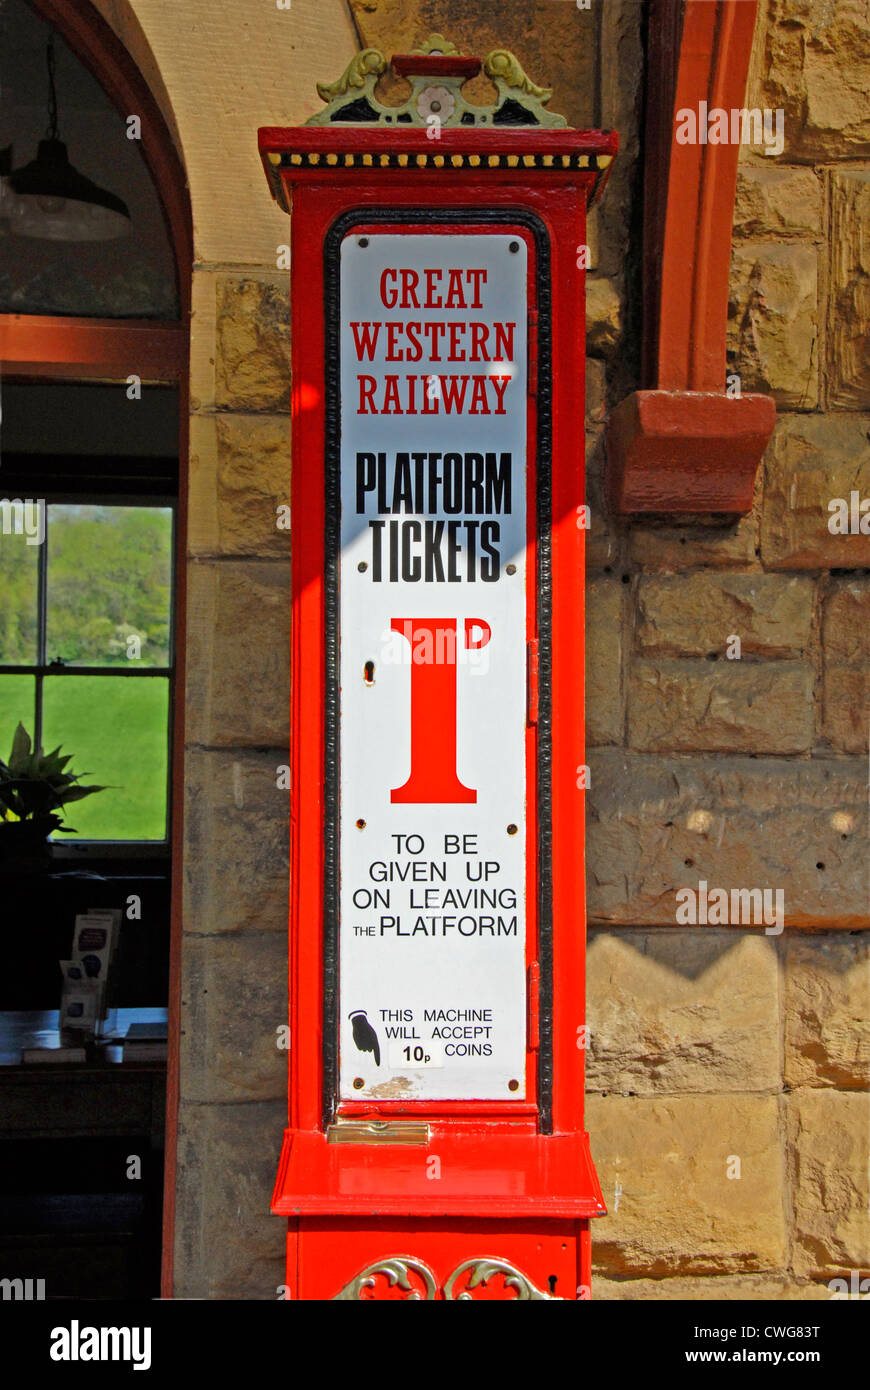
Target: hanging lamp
[52, 201]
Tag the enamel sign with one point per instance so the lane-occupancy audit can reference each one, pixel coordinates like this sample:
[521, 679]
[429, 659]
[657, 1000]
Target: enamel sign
[432, 610]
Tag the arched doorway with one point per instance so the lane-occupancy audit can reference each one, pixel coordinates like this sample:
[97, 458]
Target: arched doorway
[94, 347]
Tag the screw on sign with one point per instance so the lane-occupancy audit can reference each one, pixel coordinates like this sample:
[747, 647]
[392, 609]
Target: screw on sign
[434, 515]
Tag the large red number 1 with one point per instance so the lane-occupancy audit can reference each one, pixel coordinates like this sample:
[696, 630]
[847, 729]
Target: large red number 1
[433, 707]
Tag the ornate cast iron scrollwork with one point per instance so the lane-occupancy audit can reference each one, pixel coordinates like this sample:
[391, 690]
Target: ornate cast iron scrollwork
[401, 1271]
[398, 1270]
[481, 1271]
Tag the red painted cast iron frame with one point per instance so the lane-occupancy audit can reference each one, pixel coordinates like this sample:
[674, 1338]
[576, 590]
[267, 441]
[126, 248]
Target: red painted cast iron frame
[497, 1166]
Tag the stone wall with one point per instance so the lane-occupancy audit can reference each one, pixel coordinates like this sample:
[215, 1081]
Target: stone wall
[728, 1068]
[708, 1045]
[236, 864]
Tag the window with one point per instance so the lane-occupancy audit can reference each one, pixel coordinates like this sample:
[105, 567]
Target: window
[87, 566]
[85, 651]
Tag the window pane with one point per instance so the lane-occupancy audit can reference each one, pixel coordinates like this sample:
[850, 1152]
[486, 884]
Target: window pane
[19, 582]
[17, 703]
[109, 590]
[116, 729]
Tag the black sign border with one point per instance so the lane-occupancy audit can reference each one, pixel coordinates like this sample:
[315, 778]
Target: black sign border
[429, 219]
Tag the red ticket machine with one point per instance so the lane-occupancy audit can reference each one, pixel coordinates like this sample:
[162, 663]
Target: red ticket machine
[435, 1147]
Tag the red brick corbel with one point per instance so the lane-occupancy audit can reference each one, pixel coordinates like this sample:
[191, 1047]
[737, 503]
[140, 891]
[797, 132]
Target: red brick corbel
[683, 445]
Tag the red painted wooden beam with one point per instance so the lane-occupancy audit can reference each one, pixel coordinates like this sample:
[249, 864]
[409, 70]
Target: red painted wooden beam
[714, 60]
[682, 445]
[686, 452]
[82, 349]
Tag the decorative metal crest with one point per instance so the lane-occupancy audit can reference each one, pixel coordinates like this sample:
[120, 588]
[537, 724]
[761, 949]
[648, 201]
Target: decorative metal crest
[401, 1271]
[436, 97]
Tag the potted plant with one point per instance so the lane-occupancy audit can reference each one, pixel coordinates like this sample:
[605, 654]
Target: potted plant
[34, 789]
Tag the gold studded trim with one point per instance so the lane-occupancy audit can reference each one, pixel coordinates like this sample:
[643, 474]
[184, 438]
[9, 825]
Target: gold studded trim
[447, 161]
[430, 160]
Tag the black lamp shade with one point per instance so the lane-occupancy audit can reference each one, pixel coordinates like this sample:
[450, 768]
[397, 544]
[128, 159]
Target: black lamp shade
[55, 202]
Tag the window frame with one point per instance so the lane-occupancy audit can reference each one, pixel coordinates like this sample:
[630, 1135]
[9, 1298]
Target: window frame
[32, 476]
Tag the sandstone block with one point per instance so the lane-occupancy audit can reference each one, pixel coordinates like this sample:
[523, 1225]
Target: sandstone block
[604, 629]
[238, 675]
[227, 1244]
[695, 614]
[655, 825]
[811, 460]
[846, 703]
[236, 843]
[596, 392]
[846, 623]
[773, 322]
[827, 1012]
[675, 548]
[239, 477]
[682, 1011]
[603, 314]
[666, 1162]
[811, 60]
[756, 1288]
[847, 364]
[252, 368]
[846, 655]
[620, 46]
[228, 1052]
[828, 1150]
[723, 706]
[777, 201]
[602, 539]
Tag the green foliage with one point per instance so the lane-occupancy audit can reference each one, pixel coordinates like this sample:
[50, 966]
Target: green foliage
[109, 578]
[108, 604]
[35, 786]
[18, 600]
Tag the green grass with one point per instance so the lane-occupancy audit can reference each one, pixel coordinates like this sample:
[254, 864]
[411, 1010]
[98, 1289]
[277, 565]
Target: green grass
[116, 729]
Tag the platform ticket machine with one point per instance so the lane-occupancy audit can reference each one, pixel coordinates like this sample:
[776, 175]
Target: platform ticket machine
[435, 1146]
